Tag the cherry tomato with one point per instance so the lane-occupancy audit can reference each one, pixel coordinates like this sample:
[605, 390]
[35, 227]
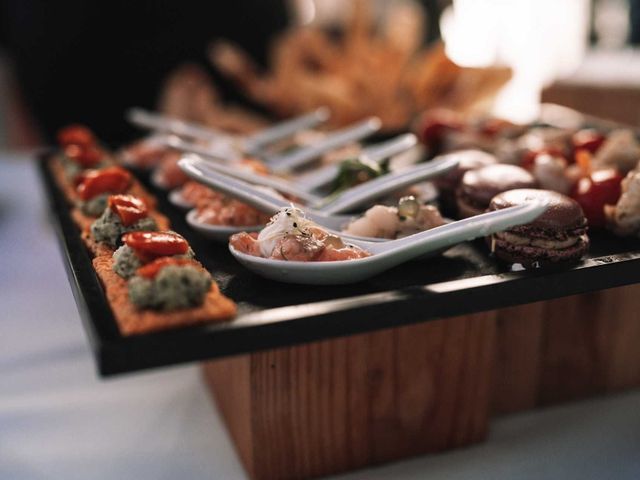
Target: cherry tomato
[435, 124]
[130, 209]
[76, 135]
[587, 139]
[95, 182]
[150, 270]
[594, 192]
[156, 244]
[85, 156]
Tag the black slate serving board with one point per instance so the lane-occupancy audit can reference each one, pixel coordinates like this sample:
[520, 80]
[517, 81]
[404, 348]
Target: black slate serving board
[463, 280]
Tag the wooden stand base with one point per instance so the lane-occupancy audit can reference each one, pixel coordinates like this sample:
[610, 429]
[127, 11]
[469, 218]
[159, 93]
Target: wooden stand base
[337, 405]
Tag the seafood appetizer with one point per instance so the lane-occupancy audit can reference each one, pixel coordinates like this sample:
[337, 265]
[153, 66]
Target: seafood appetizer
[290, 236]
[145, 153]
[390, 222]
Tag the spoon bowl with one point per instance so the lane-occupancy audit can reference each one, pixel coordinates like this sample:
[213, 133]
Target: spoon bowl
[219, 233]
[176, 199]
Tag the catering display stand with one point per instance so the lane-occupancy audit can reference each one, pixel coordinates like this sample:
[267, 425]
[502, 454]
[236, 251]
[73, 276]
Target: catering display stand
[319, 380]
[336, 405]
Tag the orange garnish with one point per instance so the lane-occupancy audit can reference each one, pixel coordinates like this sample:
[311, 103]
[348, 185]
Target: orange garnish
[152, 269]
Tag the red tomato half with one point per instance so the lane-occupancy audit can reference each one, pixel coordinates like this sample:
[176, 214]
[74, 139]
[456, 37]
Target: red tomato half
[594, 192]
[76, 135]
[96, 182]
[85, 156]
[587, 139]
[130, 209]
[156, 244]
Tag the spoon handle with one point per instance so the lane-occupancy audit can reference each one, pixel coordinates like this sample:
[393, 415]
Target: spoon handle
[255, 142]
[156, 121]
[288, 161]
[219, 154]
[375, 153]
[263, 201]
[283, 186]
[356, 196]
[380, 151]
[458, 232]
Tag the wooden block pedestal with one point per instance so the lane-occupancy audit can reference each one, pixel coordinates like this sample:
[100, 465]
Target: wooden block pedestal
[336, 405]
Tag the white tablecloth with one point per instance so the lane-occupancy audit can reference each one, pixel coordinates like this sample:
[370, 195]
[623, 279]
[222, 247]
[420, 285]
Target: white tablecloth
[59, 421]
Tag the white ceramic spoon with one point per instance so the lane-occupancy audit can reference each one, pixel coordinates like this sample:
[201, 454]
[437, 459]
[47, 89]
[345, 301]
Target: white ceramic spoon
[392, 253]
[287, 162]
[284, 162]
[176, 198]
[271, 204]
[248, 144]
[345, 201]
[323, 176]
[374, 153]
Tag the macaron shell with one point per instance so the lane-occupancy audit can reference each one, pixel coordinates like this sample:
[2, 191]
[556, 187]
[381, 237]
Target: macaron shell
[467, 160]
[563, 212]
[485, 183]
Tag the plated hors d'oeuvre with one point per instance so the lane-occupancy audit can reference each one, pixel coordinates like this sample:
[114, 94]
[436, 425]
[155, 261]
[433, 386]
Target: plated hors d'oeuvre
[154, 283]
[124, 213]
[79, 151]
[391, 222]
[142, 247]
[229, 212]
[95, 186]
[145, 153]
[290, 236]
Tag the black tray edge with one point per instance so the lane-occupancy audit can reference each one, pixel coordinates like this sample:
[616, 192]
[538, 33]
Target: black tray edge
[286, 326]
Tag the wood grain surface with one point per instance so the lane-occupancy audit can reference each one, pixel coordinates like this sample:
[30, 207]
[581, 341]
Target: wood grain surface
[337, 405]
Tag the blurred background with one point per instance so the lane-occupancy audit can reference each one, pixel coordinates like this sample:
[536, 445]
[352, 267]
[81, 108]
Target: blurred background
[74, 61]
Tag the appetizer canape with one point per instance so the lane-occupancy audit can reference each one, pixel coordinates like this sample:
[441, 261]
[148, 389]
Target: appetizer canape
[79, 152]
[163, 292]
[140, 248]
[289, 235]
[95, 186]
[124, 213]
[407, 218]
[557, 237]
